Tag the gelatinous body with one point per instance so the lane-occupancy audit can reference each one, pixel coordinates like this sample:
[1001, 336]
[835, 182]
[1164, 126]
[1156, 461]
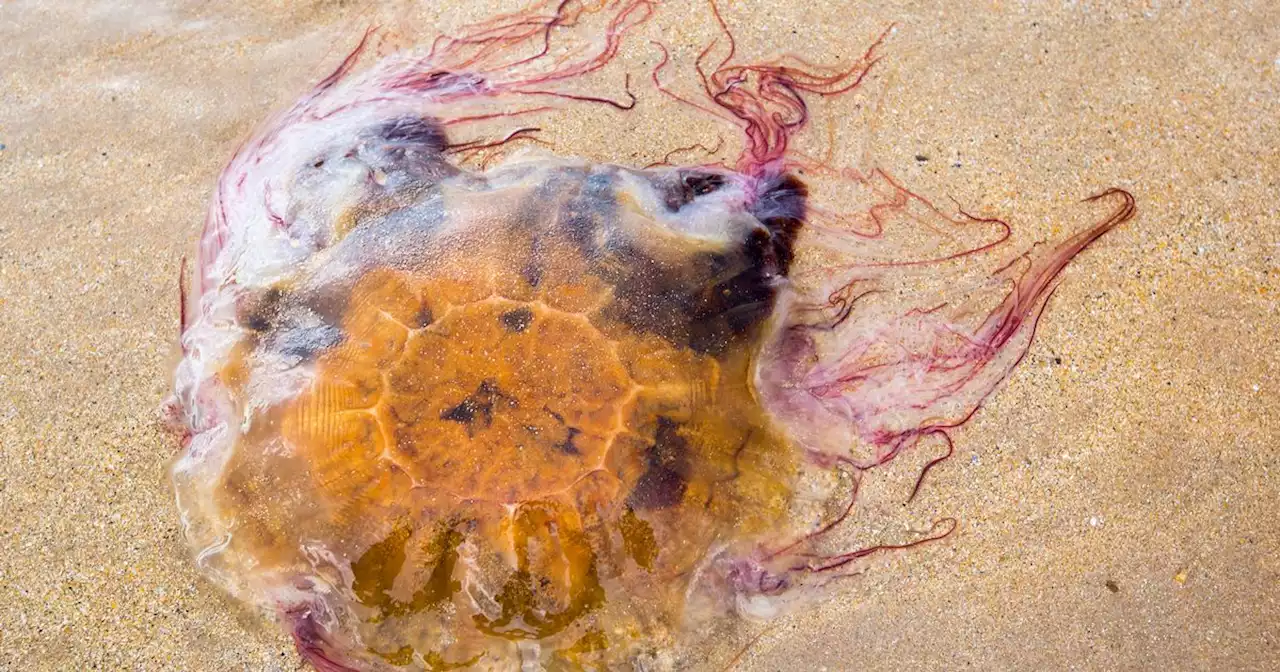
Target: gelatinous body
[546, 412]
[509, 425]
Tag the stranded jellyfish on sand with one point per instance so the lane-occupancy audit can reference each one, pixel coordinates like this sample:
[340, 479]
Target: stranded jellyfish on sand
[454, 397]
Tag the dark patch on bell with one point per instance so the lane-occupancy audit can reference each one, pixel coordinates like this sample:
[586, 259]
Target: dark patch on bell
[730, 308]
[330, 306]
[297, 325]
[707, 305]
[408, 150]
[781, 207]
[649, 297]
[259, 313]
[424, 317]
[780, 196]
[426, 134]
[478, 407]
[663, 483]
[687, 187]
[517, 320]
[567, 446]
[583, 212]
[714, 299]
[305, 343]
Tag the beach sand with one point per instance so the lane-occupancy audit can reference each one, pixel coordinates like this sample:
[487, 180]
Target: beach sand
[1117, 498]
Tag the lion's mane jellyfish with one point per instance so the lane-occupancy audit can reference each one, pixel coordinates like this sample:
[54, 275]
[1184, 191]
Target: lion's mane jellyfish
[454, 394]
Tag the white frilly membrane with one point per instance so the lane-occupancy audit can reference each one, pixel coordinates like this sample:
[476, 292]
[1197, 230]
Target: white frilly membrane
[896, 322]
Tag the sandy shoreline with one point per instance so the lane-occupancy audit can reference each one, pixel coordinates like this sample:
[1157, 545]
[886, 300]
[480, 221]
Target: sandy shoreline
[1117, 497]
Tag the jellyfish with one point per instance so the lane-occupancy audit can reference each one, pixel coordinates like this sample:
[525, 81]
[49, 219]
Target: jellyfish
[454, 396]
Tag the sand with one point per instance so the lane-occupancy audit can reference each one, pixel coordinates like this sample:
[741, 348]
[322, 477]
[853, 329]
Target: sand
[1117, 498]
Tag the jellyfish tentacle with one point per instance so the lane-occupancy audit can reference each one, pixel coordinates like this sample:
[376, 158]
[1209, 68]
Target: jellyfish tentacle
[951, 449]
[921, 356]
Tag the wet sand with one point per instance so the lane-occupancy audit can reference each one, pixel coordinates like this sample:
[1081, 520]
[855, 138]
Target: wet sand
[1117, 498]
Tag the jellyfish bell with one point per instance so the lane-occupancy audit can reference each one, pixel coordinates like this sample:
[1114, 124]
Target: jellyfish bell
[494, 415]
[540, 411]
